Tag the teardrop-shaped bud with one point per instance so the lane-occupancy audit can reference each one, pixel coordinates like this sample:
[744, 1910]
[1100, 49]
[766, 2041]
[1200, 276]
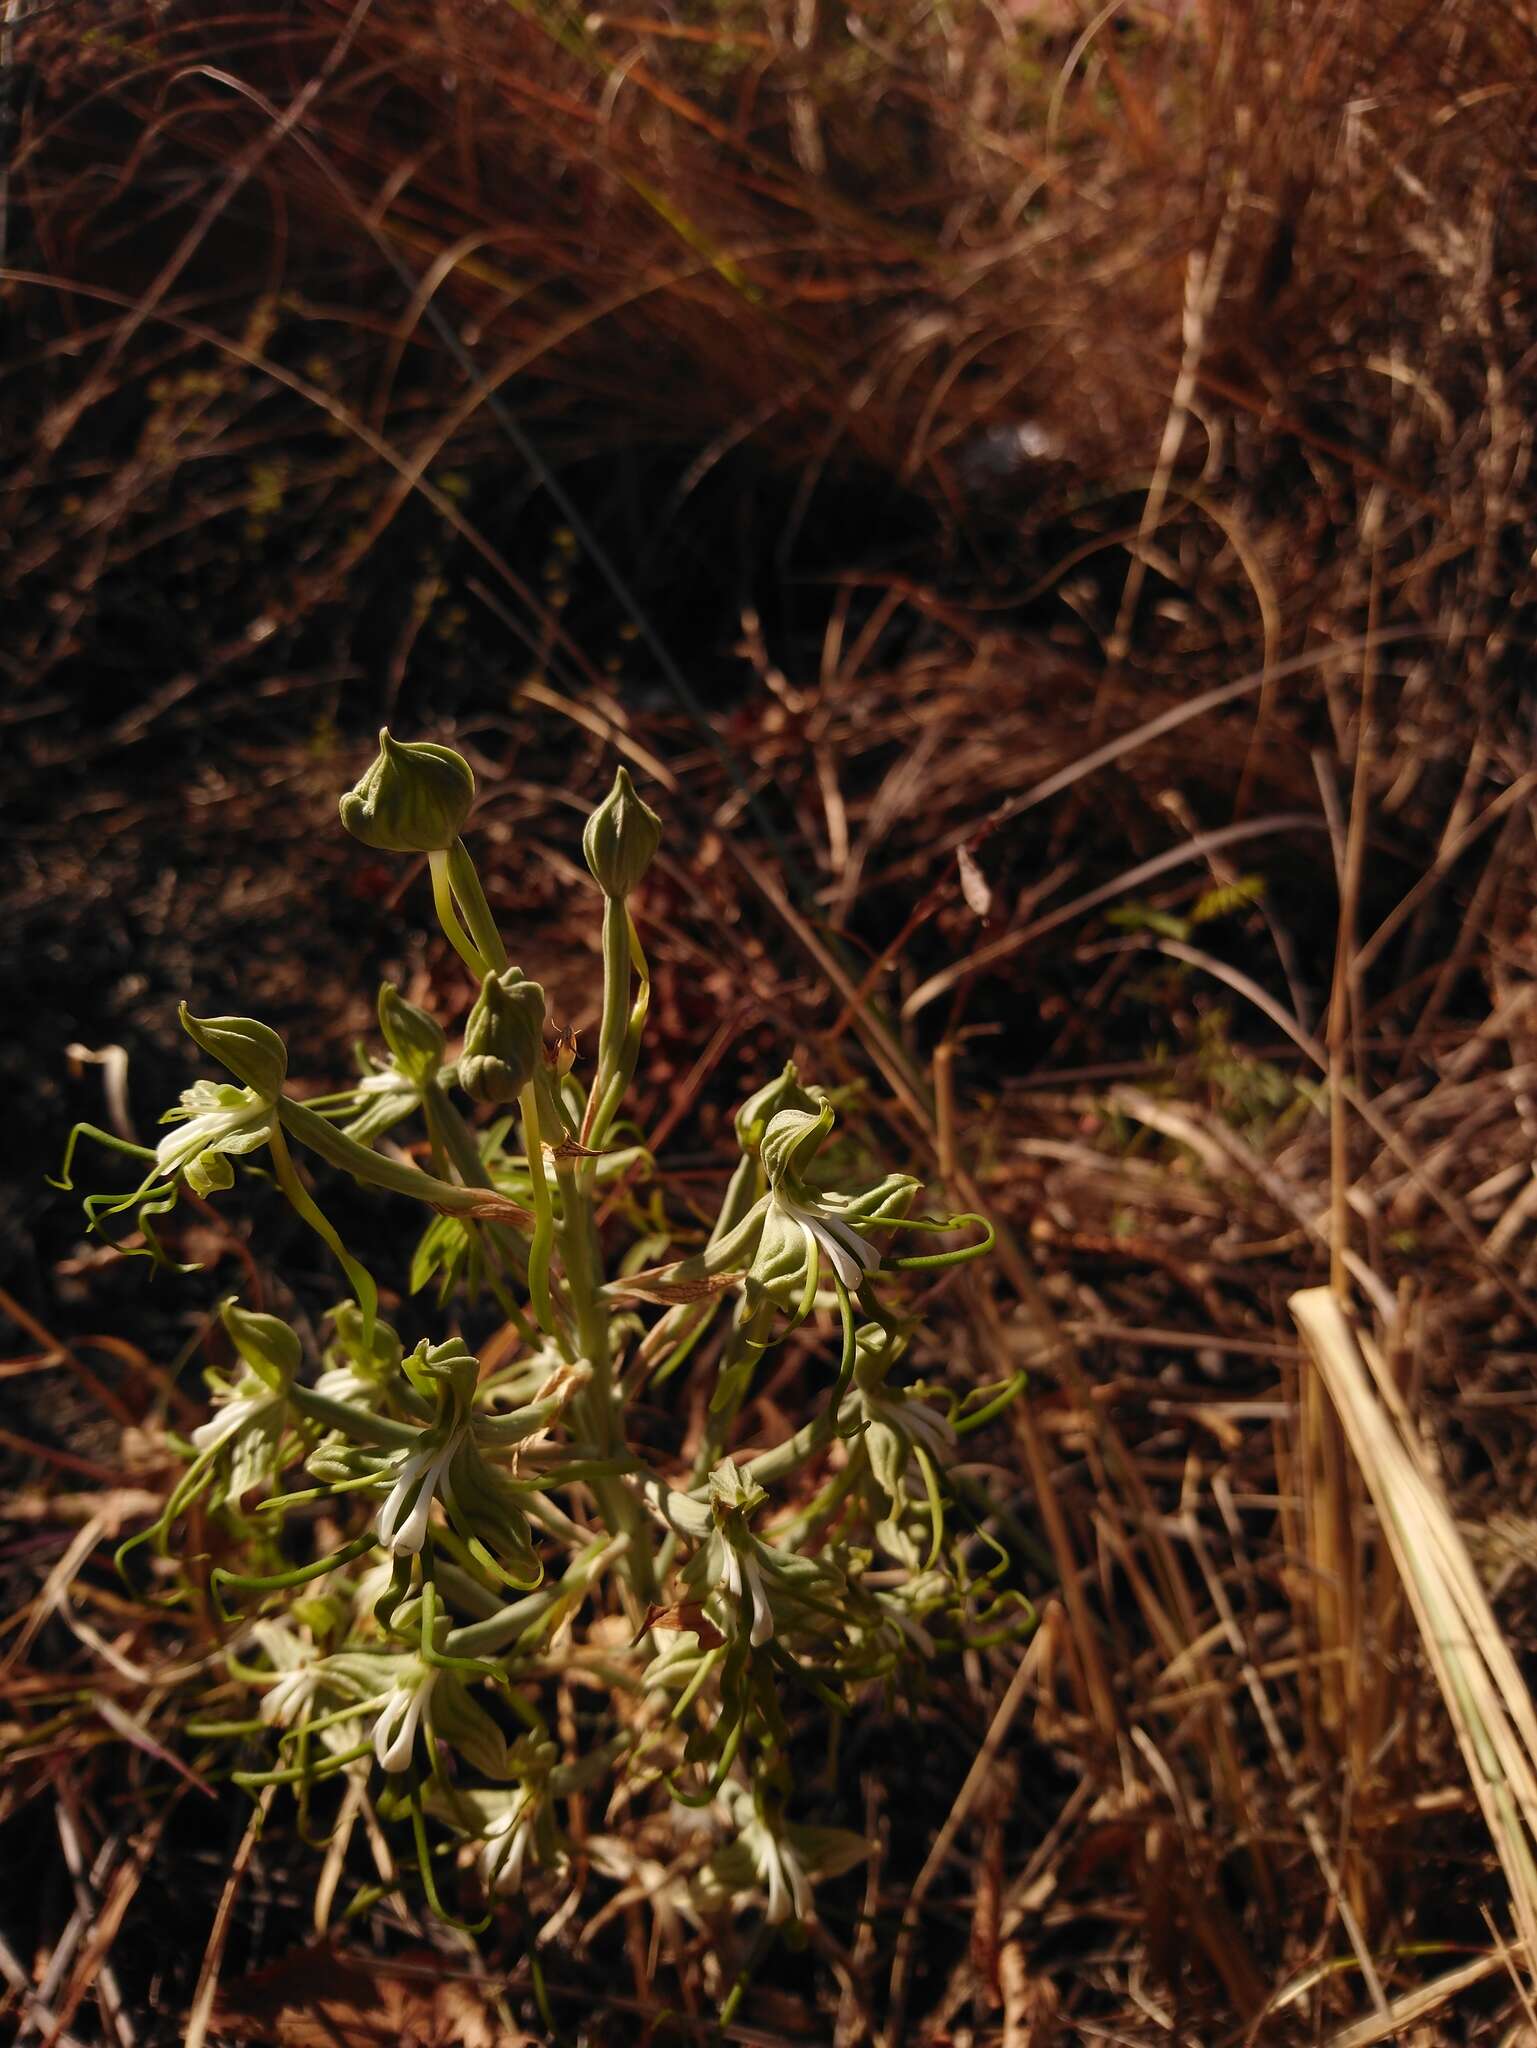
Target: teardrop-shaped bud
[503, 1038]
[252, 1052]
[621, 837]
[415, 1039]
[266, 1343]
[413, 798]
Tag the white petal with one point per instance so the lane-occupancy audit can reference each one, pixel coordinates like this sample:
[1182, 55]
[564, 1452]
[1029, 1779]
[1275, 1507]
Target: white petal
[227, 1421]
[395, 1729]
[286, 1700]
[388, 1082]
[927, 1426]
[868, 1257]
[731, 1574]
[844, 1264]
[502, 1868]
[422, 1471]
[778, 1896]
[341, 1383]
[762, 1616]
[188, 1139]
[800, 1884]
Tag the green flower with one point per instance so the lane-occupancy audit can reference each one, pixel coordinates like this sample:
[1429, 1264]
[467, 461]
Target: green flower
[357, 1373]
[213, 1121]
[778, 1857]
[805, 1230]
[448, 1464]
[251, 1412]
[893, 1423]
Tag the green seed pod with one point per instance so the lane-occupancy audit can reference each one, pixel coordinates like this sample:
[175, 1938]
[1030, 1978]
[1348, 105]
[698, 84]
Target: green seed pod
[621, 837]
[266, 1343]
[416, 1039]
[252, 1052]
[413, 798]
[503, 1038]
[791, 1141]
[784, 1092]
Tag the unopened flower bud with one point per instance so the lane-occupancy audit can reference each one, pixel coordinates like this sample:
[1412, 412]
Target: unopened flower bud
[413, 798]
[564, 1057]
[621, 838]
[784, 1092]
[503, 1038]
[252, 1052]
[415, 1039]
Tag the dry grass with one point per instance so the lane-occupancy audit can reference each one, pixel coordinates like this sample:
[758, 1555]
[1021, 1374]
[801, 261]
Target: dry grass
[1081, 464]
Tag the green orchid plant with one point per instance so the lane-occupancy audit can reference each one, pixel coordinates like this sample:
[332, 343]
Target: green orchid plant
[412, 1553]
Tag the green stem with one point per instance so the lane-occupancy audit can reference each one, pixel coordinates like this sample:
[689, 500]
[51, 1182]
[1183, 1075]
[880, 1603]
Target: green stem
[449, 1130]
[544, 1224]
[579, 1248]
[448, 917]
[372, 1168]
[360, 1425]
[483, 1638]
[616, 983]
[304, 1204]
[471, 898]
[623, 1026]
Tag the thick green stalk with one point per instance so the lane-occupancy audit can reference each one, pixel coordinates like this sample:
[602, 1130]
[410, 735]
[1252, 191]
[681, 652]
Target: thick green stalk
[300, 1198]
[448, 917]
[471, 898]
[624, 1021]
[359, 1424]
[595, 1406]
[449, 1130]
[484, 1638]
[543, 1243]
[372, 1168]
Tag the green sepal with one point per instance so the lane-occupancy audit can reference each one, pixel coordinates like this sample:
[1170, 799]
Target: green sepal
[266, 1344]
[417, 1041]
[791, 1140]
[758, 1111]
[251, 1051]
[459, 1720]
